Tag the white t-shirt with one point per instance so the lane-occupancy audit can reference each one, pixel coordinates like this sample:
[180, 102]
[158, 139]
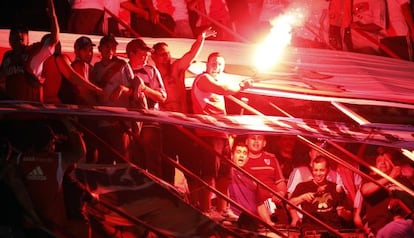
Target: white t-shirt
[36, 63]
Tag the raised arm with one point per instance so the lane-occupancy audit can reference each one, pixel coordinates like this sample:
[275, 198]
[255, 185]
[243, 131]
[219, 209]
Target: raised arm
[371, 187]
[54, 25]
[185, 61]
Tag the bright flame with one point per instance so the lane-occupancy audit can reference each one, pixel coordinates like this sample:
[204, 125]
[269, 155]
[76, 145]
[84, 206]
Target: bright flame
[271, 50]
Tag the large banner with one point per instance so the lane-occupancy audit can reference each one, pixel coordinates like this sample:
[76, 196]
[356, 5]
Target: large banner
[396, 136]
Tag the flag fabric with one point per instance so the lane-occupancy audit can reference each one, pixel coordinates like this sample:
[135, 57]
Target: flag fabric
[400, 136]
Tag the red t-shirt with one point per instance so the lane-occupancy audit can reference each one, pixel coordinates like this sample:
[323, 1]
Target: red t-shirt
[266, 169]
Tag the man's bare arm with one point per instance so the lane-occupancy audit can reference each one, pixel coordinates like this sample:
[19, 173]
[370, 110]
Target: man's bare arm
[208, 84]
[185, 61]
[54, 25]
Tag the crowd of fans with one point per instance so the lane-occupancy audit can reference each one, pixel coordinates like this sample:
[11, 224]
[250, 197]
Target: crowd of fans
[286, 175]
[382, 27]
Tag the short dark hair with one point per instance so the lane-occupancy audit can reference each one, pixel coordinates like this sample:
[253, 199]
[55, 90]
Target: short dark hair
[321, 159]
[214, 54]
[107, 39]
[19, 29]
[136, 44]
[238, 143]
[159, 45]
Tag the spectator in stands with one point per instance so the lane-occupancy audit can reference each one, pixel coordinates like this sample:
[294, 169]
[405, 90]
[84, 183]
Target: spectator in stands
[110, 23]
[304, 173]
[213, 14]
[121, 89]
[43, 165]
[22, 65]
[173, 76]
[148, 21]
[73, 94]
[368, 24]
[320, 198]
[177, 9]
[265, 167]
[182, 19]
[86, 17]
[377, 197]
[340, 17]
[138, 53]
[241, 188]
[208, 91]
[115, 76]
[82, 65]
[12, 65]
[402, 224]
[59, 74]
[173, 72]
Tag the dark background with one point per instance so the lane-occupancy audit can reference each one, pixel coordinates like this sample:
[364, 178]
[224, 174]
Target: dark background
[32, 14]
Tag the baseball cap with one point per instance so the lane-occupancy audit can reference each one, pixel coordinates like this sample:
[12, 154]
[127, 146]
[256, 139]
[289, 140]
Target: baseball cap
[137, 44]
[82, 42]
[107, 39]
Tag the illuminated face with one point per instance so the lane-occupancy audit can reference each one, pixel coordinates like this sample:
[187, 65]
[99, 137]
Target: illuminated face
[240, 157]
[256, 143]
[215, 65]
[108, 50]
[162, 56]
[384, 163]
[85, 54]
[319, 172]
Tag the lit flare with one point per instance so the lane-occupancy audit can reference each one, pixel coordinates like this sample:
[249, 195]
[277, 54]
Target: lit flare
[270, 52]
